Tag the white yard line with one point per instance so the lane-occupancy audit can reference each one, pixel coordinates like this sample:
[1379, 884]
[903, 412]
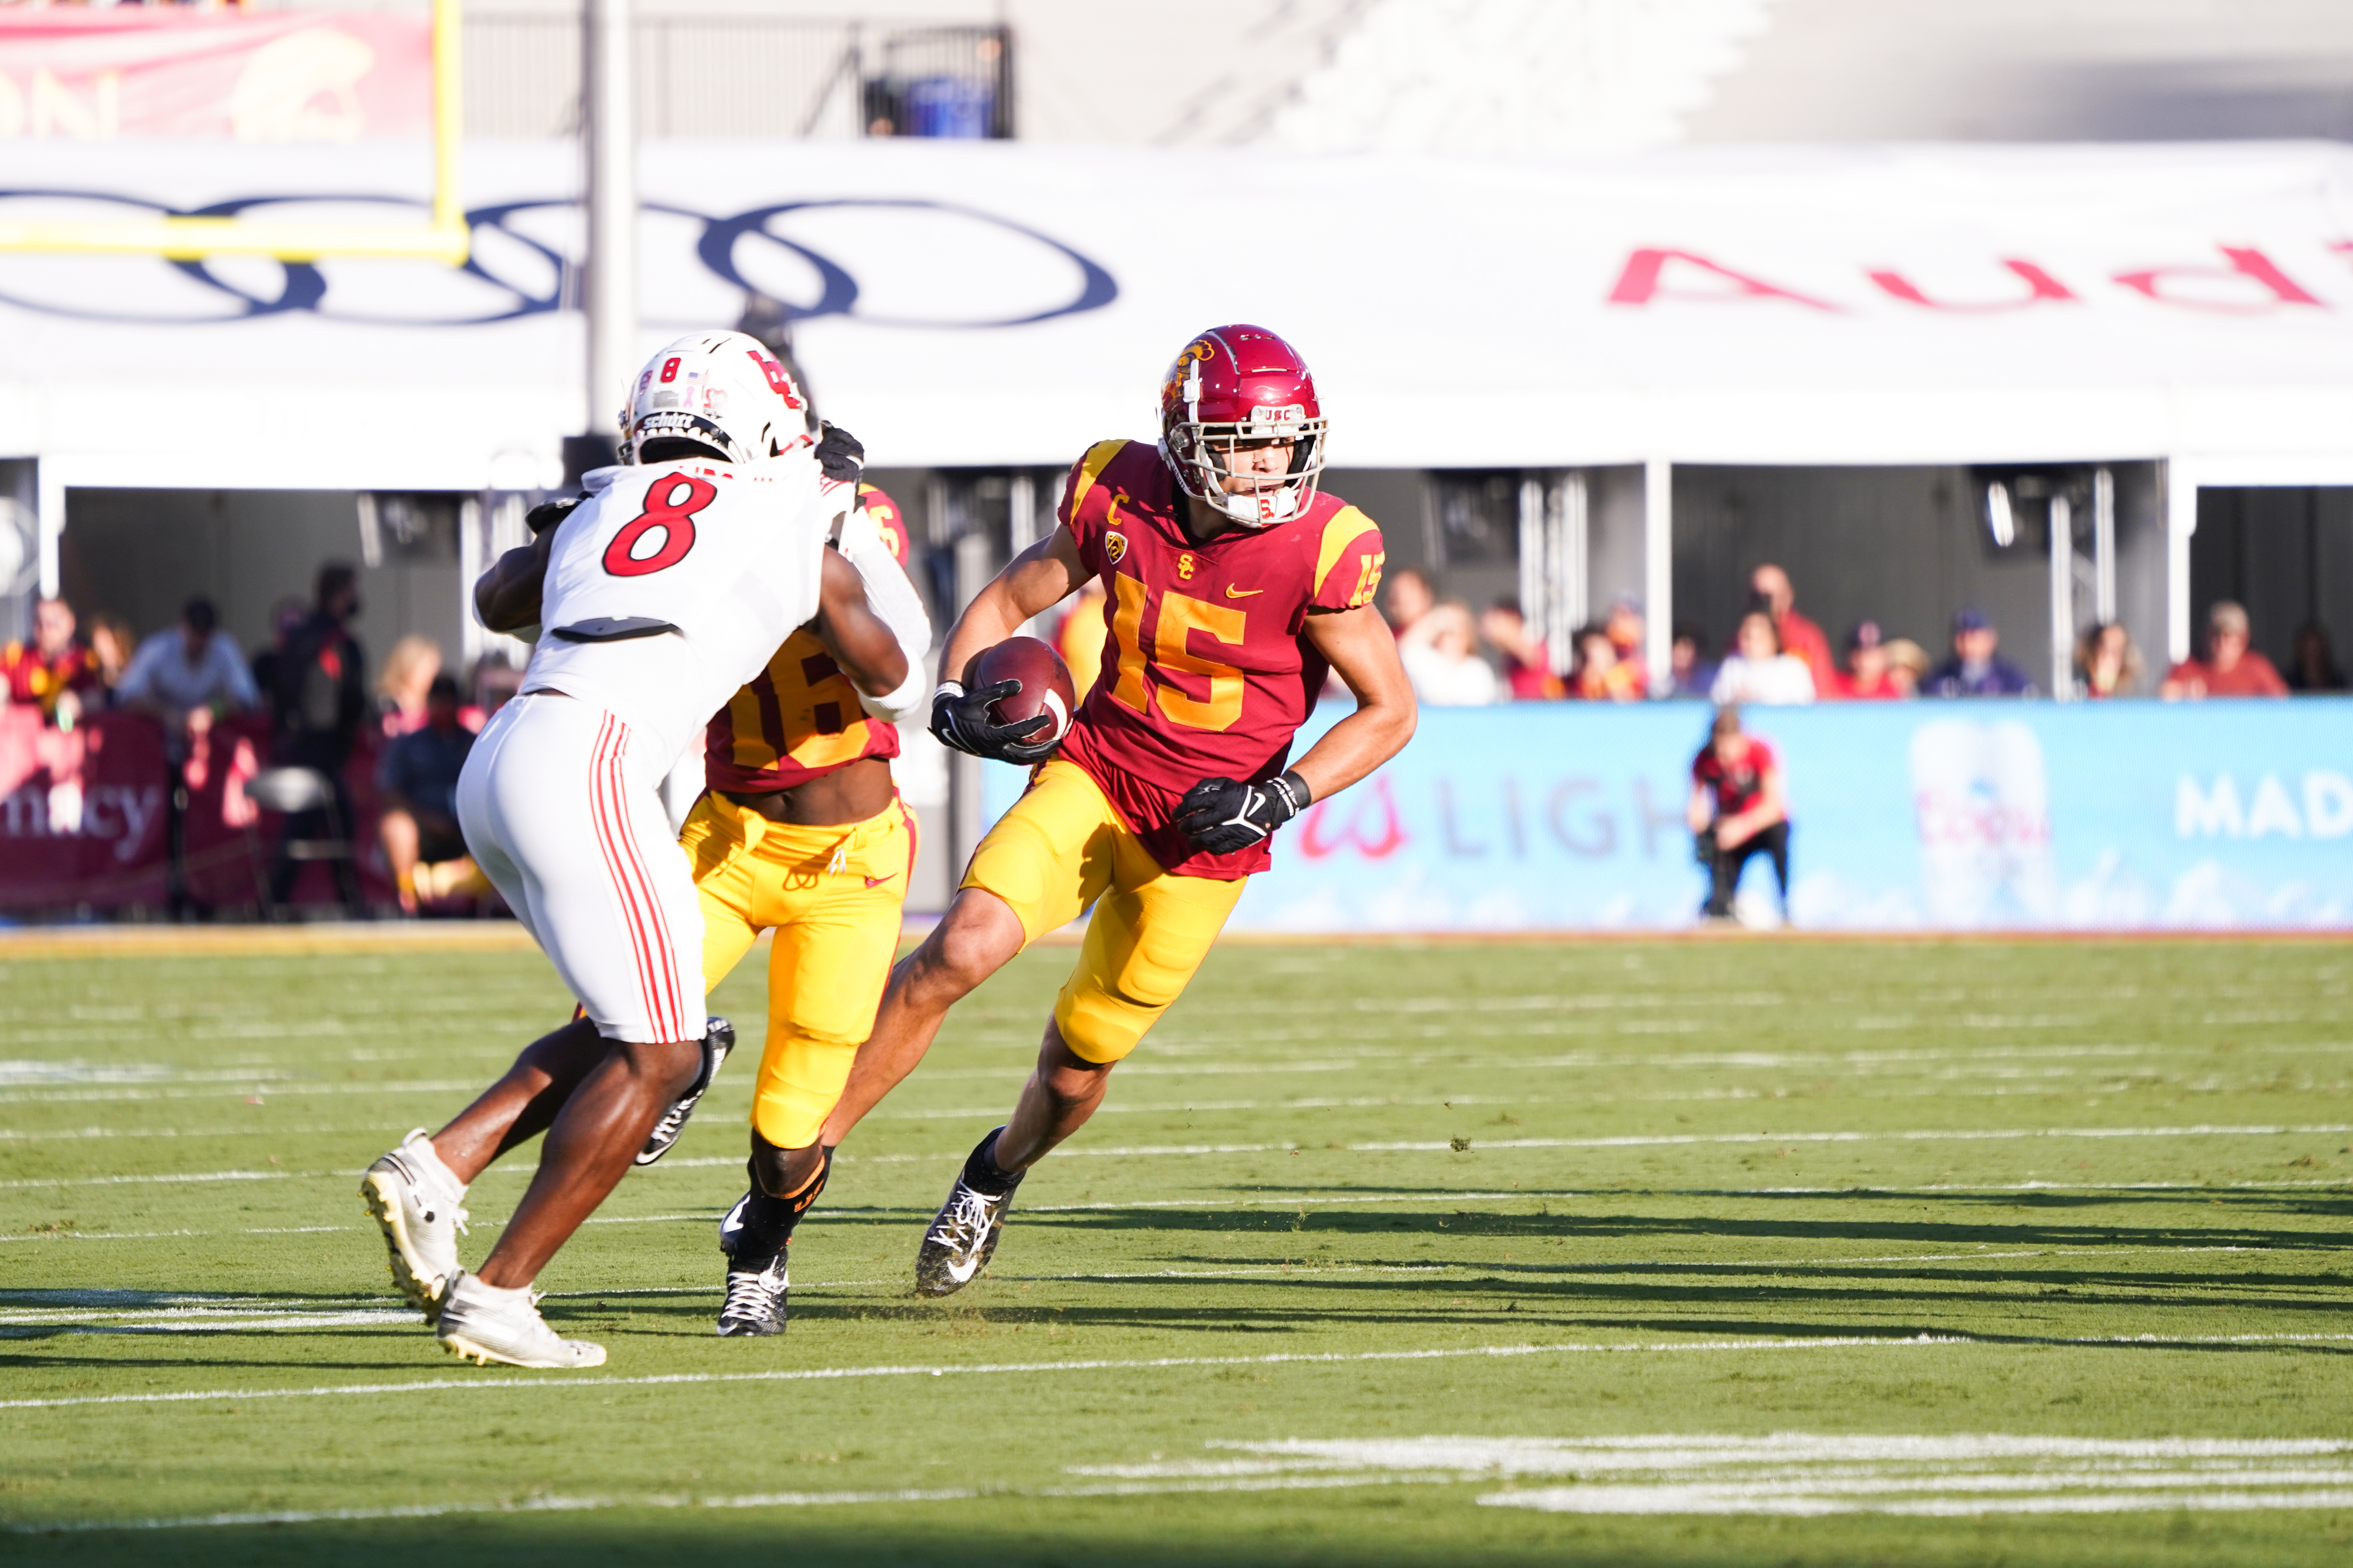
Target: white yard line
[1787, 1474]
[826, 1374]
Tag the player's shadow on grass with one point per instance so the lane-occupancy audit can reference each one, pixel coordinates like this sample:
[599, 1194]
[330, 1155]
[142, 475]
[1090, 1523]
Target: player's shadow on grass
[1962, 1228]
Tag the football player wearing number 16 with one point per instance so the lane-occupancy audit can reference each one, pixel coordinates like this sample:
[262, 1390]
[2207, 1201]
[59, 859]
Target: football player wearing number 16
[1233, 587]
[664, 591]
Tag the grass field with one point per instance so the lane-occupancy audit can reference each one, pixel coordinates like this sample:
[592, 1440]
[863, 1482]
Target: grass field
[1710, 1252]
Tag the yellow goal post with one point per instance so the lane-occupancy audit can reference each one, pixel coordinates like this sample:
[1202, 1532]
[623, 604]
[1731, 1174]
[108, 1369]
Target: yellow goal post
[444, 237]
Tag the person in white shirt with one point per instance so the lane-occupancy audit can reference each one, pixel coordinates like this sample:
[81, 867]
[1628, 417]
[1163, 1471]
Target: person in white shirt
[1440, 654]
[1758, 671]
[188, 675]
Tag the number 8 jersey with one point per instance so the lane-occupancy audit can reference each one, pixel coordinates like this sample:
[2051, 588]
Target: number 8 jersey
[1205, 673]
[673, 582]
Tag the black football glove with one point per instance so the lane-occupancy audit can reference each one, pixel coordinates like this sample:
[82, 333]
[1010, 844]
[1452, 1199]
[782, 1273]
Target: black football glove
[1221, 816]
[961, 721]
[840, 454]
[1703, 849]
[548, 513]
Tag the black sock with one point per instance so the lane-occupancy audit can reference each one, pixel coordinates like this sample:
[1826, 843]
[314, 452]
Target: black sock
[983, 1175]
[769, 1222]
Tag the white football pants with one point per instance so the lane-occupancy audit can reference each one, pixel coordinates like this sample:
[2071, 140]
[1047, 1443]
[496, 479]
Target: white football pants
[563, 811]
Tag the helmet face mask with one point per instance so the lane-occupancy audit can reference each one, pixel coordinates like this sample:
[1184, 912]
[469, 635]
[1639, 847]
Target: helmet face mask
[718, 391]
[1238, 390]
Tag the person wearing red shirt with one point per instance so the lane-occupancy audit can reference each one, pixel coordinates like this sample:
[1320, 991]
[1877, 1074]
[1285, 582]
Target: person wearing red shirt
[1234, 585]
[53, 670]
[1800, 637]
[1870, 675]
[1737, 810]
[2230, 668]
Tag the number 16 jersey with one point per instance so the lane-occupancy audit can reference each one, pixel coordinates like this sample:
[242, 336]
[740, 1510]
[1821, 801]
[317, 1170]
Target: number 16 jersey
[673, 582]
[1206, 671]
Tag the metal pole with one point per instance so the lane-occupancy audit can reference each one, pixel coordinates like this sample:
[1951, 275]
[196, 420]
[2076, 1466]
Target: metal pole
[2063, 598]
[2104, 546]
[606, 118]
[2180, 523]
[1658, 567]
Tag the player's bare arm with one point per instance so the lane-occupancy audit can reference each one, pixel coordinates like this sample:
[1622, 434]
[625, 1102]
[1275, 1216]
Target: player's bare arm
[506, 597]
[1364, 656]
[866, 648]
[1032, 582]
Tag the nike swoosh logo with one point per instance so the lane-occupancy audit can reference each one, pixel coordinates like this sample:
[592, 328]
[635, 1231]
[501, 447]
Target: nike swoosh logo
[878, 881]
[962, 1273]
[1234, 593]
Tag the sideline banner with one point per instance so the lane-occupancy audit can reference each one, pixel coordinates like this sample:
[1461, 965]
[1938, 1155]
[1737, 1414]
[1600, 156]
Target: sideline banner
[82, 813]
[96, 76]
[1916, 816]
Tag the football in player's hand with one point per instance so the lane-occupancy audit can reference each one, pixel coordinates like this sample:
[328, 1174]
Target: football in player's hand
[1046, 686]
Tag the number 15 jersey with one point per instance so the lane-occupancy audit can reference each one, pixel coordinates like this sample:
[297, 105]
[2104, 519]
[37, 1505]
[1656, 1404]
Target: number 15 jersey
[1206, 671]
[673, 582]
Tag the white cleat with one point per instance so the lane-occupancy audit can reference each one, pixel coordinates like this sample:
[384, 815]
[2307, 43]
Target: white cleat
[419, 1206]
[483, 1323]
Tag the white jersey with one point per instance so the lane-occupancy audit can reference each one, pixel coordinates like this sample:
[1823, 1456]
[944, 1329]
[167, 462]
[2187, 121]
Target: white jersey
[672, 583]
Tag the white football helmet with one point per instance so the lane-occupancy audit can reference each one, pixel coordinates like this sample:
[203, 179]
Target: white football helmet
[717, 390]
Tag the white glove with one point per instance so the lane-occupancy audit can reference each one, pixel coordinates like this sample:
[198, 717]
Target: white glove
[893, 598]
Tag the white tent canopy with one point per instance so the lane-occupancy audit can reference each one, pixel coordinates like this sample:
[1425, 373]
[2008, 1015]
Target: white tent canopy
[997, 303]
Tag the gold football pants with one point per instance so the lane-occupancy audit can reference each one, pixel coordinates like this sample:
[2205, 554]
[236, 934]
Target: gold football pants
[1062, 847]
[832, 895]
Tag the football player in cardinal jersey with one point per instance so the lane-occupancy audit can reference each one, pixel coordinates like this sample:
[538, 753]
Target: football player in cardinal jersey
[670, 587]
[1233, 587]
[803, 834]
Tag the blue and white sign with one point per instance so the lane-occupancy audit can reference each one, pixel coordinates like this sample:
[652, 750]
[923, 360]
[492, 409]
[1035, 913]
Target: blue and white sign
[1960, 817]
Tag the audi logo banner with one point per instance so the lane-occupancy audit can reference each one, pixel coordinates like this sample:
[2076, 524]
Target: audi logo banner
[1002, 303]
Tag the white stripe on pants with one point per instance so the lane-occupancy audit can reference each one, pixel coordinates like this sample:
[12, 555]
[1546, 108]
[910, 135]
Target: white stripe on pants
[565, 815]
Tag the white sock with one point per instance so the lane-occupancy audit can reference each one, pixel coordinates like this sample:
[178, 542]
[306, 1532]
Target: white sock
[498, 1296]
[419, 1148]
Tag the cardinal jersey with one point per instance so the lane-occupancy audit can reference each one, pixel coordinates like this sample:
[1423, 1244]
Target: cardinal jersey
[672, 584]
[1204, 671]
[800, 718]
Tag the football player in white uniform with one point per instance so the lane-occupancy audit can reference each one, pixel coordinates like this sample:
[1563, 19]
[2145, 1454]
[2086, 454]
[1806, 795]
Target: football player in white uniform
[666, 589]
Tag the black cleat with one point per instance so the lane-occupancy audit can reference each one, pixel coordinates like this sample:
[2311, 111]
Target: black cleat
[961, 1241]
[755, 1301]
[718, 1039]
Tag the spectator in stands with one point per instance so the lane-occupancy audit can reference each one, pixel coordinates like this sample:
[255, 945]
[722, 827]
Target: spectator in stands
[2106, 663]
[1689, 673]
[189, 675]
[319, 700]
[1800, 637]
[1626, 630]
[1868, 677]
[286, 618]
[1738, 809]
[1410, 598]
[112, 645]
[1977, 667]
[53, 670]
[1527, 663]
[1079, 637]
[1908, 667]
[1599, 675]
[1440, 654]
[400, 687]
[2230, 668]
[1760, 671]
[418, 777]
[2312, 664]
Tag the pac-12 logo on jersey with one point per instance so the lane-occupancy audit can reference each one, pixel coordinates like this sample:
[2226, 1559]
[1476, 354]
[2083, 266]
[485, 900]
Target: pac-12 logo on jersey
[1115, 547]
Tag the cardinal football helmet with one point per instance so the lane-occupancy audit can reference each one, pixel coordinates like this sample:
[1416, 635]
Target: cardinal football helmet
[1237, 386]
[718, 390]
